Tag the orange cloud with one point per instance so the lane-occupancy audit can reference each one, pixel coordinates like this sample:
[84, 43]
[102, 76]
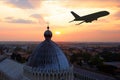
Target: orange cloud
[19, 3]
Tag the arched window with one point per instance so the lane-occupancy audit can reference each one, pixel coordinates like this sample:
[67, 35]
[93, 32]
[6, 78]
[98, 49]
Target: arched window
[39, 74]
[43, 74]
[51, 75]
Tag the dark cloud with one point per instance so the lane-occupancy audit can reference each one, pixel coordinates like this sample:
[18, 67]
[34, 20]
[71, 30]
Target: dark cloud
[90, 3]
[36, 16]
[36, 3]
[25, 4]
[8, 18]
[23, 21]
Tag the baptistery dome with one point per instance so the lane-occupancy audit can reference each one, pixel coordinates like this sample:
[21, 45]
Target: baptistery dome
[48, 56]
[48, 59]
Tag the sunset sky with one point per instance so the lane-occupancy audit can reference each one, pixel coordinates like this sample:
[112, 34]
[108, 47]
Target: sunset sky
[26, 20]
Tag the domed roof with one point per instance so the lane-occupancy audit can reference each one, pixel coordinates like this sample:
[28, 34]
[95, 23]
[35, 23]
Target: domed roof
[47, 55]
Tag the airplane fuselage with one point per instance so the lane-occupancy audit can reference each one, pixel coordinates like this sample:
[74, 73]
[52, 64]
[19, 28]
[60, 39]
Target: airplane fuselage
[88, 18]
[91, 17]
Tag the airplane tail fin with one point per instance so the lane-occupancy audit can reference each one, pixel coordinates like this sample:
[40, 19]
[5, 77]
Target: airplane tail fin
[75, 15]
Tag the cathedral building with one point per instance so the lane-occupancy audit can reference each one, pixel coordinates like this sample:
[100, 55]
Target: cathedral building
[47, 62]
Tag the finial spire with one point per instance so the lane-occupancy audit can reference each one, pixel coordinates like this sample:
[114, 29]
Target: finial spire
[48, 34]
[48, 25]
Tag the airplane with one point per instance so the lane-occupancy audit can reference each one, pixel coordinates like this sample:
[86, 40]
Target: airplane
[88, 18]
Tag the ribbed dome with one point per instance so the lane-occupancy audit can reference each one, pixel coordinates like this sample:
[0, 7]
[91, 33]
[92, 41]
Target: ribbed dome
[48, 56]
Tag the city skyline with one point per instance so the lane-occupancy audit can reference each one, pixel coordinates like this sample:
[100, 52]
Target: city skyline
[26, 20]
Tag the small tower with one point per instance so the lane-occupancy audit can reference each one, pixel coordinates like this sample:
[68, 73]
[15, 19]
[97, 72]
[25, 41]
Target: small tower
[48, 34]
[48, 62]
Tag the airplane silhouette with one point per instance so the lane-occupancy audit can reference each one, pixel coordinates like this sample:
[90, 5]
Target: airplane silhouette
[90, 17]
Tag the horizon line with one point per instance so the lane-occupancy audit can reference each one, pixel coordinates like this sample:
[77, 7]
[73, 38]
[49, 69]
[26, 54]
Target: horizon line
[69, 41]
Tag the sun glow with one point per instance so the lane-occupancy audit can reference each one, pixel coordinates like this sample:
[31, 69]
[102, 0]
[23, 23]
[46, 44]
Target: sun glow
[57, 32]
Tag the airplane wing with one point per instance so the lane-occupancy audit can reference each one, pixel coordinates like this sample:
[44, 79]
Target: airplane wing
[90, 20]
[80, 23]
[75, 15]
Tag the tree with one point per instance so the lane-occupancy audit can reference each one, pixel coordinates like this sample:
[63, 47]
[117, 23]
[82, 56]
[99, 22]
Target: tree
[96, 60]
[73, 58]
[86, 57]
